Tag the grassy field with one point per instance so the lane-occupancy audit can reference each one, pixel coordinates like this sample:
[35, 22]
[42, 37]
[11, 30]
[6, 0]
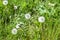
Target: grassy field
[13, 12]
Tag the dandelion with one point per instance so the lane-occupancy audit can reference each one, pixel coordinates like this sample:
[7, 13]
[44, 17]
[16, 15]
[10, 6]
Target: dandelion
[41, 19]
[27, 16]
[5, 2]
[17, 26]
[15, 7]
[14, 31]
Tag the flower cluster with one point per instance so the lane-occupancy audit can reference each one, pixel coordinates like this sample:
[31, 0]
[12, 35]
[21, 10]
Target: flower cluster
[27, 16]
[14, 30]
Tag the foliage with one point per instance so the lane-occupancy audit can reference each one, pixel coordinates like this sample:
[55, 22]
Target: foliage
[31, 29]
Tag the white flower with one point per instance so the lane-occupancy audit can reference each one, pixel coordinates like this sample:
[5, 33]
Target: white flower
[41, 19]
[15, 7]
[17, 26]
[14, 31]
[27, 16]
[5, 2]
[50, 4]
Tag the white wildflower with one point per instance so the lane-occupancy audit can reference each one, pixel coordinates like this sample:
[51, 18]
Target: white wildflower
[14, 31]
[15, 7]
[27, 16]
[5, 2]
[17, 26]
[41, 19]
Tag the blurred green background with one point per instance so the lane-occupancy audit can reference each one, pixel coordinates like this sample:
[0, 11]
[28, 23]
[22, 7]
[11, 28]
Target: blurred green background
[31, 29]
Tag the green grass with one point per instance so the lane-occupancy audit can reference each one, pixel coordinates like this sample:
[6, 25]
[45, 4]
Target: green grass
[31, 29]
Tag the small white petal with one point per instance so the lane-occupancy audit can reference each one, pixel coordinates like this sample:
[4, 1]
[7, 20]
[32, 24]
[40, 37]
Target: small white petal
[5, 2]
[41, 19]
[15, 7]
[27, 16]
[14, 31]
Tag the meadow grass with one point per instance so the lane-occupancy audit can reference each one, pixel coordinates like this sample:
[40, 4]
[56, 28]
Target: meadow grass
[32, 29]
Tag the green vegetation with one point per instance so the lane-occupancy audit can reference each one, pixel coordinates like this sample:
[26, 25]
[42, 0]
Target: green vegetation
[31, 29]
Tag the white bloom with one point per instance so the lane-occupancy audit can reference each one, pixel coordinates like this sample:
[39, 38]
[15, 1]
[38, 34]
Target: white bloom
[14, 31]
[50, 4]
[5, 2]
[17, 26]
[15, 7]
[41, 19]
[27, 16]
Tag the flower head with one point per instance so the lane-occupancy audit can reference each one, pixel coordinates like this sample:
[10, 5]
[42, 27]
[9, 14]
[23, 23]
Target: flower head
[27, 16]
[5, 2]
[41, 19]
[14, 31]
[15, 7]
[17, 26]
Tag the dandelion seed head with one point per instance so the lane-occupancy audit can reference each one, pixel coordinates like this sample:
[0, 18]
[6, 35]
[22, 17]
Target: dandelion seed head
[41, 19]
[15, 7]
[17, 26]
[5, 2]
[14, 31]
[27, 16]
